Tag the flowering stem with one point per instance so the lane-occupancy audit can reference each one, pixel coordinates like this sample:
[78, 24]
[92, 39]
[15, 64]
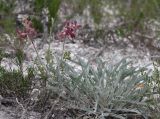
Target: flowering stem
[35, 50]
[44, 69]
[63, 50]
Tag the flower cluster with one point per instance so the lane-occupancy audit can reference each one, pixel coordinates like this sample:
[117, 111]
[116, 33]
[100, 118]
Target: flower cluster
[28, 31]
[69, 30]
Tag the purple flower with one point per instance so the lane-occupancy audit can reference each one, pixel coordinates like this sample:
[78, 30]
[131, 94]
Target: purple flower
[69, 30]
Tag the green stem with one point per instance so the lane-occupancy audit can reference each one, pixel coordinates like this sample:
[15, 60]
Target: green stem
[63, 50]
[44, 69]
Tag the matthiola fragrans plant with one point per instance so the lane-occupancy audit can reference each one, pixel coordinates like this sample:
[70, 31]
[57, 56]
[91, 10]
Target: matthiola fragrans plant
[69, 31]
[28, 32]
[111, 91]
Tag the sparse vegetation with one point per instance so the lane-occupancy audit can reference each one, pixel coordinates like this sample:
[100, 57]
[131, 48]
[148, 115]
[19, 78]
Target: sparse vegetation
[58, 84]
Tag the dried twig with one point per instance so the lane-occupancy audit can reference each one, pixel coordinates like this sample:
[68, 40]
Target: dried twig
[23, 115]
[48, 115]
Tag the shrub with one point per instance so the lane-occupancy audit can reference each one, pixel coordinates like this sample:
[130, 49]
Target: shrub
[14, 84]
